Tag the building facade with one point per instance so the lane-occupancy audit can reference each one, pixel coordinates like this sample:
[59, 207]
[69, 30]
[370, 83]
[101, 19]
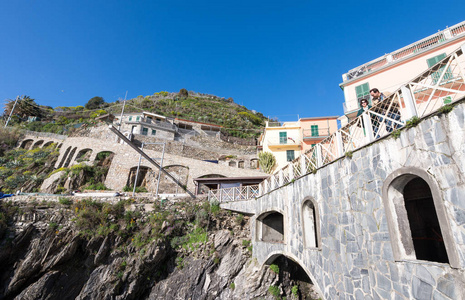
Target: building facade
[391, 71]
[316, 129]
[284, 140]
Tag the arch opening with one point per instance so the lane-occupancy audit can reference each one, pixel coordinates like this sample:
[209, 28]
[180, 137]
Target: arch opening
[70, 156]
[144, 177]
[427, 238]
[418, 221]
[63, 159]
[254, 164]
[26, 144]
[292, 279]
[232, 163]
[37, 144]
[270, 227]
[47, 144]
[167, 185]
[84, 155]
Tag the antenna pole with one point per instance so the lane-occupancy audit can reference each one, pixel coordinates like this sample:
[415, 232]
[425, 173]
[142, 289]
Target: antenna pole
[11, 112]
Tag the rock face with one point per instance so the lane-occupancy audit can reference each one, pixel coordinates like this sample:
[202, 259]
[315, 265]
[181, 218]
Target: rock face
[44, 256]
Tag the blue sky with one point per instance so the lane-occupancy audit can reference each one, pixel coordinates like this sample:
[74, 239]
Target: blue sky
[282, 58]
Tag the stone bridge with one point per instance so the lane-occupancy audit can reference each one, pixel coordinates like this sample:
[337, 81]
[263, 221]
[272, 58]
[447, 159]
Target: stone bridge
[386, 223]
[125, 160]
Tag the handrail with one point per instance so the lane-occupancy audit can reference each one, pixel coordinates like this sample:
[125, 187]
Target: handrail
[435, 87]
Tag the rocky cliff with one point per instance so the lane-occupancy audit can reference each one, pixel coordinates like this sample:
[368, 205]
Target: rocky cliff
[65, 248]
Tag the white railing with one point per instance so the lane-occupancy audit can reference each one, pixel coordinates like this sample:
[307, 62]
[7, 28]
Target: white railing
[233, 194]
[439, 85]
[417, 47]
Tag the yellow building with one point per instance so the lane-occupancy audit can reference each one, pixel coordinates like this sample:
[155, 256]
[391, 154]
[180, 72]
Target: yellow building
[284, 140]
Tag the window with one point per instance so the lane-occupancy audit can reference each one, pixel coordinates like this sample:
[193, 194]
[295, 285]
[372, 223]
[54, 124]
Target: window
[436, 75]
[290, 155]
[310, 224]
[270, 227]
[138, 118]
[145, 131]
[419, 223]
[283, 137]
[363, 92]
[130, 118]
[314, 130]
[154, 132]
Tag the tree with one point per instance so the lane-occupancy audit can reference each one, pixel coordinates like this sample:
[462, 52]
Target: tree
[183, 93]
[267, 161]
[25, 106]
[95, 102]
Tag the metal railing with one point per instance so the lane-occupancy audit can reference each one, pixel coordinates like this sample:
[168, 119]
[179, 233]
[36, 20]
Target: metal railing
[233, 194]
[318, 133]
[417, 47]
[439, 85]
[284, 141]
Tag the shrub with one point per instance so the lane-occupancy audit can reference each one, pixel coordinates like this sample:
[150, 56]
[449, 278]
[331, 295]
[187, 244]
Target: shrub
[267, 161]
[396, 134]
[274, 291]
[295, 290]
[274, 268]
[349, 154]
[65, 201]
[232, 286]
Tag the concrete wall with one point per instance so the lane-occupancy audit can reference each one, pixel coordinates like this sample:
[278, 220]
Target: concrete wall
[360, 248]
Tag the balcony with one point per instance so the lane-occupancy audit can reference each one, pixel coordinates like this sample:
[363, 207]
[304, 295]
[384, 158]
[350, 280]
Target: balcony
[320, 133]
[284, 142]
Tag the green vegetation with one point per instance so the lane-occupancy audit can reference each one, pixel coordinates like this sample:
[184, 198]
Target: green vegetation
[349, 154]
[267, 161]
[235, 119]
[396, 134]
[25, 170]
[414, 121]
[65, 201]
[446, 109]
[274, 291]
[274, 268]
[232, 286]
[295, 290]
[8, 139]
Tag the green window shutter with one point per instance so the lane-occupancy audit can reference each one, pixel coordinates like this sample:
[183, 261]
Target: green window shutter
[314, 130]
[130, 118]
[290, 155]
[362, 91]
[138, 118]
[436, 75]
[283, 137]
[145, 131]
[154, 132]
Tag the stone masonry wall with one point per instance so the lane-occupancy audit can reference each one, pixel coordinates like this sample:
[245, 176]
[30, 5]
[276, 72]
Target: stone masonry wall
[359, 256]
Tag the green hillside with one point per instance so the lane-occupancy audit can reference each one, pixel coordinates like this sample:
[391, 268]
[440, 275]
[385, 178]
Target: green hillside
[237, 120]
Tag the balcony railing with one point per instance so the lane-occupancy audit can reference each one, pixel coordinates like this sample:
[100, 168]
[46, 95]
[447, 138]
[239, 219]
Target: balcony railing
[417, 47]
[283, 141]
[315, 133]
[439, 85]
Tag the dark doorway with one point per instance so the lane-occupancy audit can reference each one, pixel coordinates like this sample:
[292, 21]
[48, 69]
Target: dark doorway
[424, 224]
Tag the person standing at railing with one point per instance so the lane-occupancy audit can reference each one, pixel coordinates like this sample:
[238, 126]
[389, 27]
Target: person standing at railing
[376, 96]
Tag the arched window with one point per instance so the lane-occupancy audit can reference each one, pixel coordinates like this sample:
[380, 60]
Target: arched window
[270, 227]
[310, 221]
[232, 163]
[418, 222]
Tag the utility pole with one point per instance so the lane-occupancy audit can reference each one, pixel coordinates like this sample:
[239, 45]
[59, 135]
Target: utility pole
[121, 116]
[11, 112]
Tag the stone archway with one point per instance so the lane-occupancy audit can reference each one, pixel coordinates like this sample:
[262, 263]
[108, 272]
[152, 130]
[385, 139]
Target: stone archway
[26, 144]
[167, 185]
[293, 279]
